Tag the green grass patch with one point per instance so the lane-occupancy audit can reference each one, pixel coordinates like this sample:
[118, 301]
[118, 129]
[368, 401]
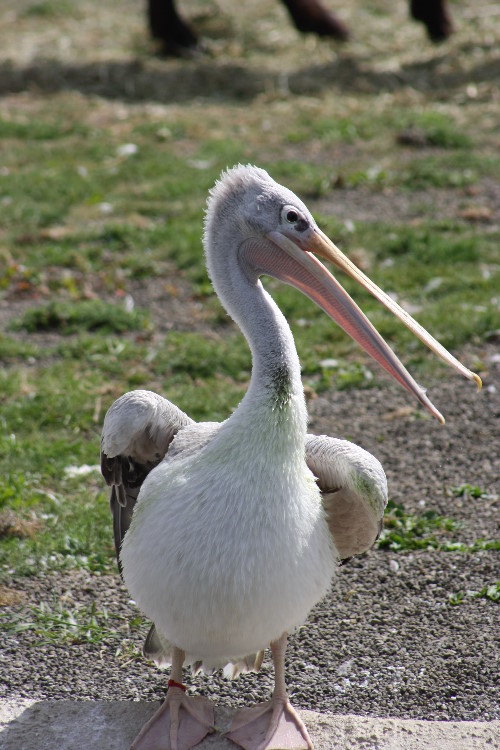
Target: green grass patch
[209, 400]
[50, 9]
[437, 172]
[86, 315]
[73, 527]
[490, 592]
[333, 129]
[429, 245]
[469, 491]
[436, 129]
[404, 532]
[197, 356]
[13, 349]
[340, 374]
[374, 176]
[430, 128]
[57, 623]
[309, 181]
[39, 130]
[447, 170]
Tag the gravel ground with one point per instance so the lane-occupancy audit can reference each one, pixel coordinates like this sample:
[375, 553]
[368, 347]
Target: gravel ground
[386, 641]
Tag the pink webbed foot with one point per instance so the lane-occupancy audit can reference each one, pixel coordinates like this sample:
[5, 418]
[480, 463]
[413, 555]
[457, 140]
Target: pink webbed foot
[273, 725]
[180, 723]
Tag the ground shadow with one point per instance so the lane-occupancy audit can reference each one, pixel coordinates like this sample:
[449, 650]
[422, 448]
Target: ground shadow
[74, 725]
[138, 80]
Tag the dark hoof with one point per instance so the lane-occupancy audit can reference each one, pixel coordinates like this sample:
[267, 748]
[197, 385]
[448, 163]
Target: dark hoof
[309, 16]
[434, 14]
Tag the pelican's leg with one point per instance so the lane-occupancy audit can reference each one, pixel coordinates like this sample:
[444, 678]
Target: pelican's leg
[273, 725]
[181, 722]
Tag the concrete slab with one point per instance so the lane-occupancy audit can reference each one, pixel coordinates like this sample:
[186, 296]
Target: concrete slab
[112, 725]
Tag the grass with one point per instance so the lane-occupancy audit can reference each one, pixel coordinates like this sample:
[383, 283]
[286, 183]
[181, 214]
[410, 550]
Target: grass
[82, 315]
[469, 491]
[48, 9]
[490, 592]
[433, 128]
[404, 532]
[87, 219]
[57, 623]
[72, 528]
[438, 130]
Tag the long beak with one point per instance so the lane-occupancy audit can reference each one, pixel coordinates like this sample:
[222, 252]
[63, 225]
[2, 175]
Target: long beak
[326, 249]
[304, 271]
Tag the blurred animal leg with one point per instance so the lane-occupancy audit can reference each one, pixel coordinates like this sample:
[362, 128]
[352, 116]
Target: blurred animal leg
[166, 24]
[311, 16]
[436, 16]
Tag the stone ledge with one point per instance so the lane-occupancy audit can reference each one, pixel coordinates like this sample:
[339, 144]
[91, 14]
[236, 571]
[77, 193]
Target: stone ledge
[73, 725]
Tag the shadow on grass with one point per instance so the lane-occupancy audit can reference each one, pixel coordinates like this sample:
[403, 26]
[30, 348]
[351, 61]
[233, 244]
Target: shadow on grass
[144, 80]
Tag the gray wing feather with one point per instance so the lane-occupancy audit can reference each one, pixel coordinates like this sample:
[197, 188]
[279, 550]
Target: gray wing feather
[138, 430]
[354, 492]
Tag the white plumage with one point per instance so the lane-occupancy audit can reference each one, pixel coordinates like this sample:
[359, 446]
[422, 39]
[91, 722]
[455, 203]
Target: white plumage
[231, 533]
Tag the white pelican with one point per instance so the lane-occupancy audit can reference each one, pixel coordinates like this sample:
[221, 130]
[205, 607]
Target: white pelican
[230, 533]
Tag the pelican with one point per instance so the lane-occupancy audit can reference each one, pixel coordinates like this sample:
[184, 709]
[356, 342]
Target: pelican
[228, 534]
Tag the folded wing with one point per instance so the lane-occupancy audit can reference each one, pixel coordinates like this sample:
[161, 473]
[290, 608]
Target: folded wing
[354, 491]
[138, 430]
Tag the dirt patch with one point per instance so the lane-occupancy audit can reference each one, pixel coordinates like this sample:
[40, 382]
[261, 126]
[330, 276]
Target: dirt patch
[479, 204]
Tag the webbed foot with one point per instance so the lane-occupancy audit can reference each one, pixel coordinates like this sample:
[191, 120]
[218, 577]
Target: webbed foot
[273, 725]
[180, 723]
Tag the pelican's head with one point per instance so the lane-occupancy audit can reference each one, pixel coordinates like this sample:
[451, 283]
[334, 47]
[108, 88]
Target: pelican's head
[268, 230]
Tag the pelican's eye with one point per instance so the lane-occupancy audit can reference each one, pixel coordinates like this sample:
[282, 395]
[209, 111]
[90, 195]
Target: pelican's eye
[291, 215]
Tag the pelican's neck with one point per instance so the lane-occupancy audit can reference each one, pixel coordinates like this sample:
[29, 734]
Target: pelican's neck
[275, 363]
[275, 393]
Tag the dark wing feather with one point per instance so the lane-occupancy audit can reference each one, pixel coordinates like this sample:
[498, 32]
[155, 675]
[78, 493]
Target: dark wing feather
[122, 516]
